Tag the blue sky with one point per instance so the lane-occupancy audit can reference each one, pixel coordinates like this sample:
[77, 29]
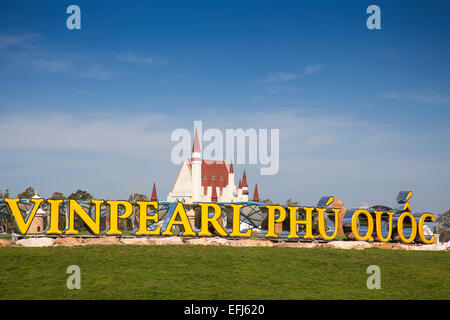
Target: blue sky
[362, 113]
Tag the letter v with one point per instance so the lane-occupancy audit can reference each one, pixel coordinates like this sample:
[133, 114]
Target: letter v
[22, 224]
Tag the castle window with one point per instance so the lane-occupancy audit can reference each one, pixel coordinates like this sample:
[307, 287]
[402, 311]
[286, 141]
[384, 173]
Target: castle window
[213, 178]
[204, 178]
[221, 178]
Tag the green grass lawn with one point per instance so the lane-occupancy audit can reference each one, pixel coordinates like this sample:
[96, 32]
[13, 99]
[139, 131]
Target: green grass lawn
[209, 272]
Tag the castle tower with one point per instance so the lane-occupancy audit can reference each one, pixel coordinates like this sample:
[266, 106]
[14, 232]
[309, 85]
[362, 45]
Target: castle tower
[244, 187]
[196, 169]
[37, 225]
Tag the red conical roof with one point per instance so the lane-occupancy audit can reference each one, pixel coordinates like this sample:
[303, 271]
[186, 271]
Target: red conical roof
[240, 184]
[154, 196]
[244, 180]
[214, 192]
[255, 194]
[196, 144]
[231, 166]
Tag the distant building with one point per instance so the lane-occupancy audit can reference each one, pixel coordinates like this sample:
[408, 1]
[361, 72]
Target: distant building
[37, 225]
[201, 180]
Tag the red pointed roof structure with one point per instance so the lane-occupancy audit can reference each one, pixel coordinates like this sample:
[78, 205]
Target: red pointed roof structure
[212, 170]
[196, 144]
[214, 192]
[244, 180]
[255, 194]
[231, 166]
[240, 184]
[154, 196]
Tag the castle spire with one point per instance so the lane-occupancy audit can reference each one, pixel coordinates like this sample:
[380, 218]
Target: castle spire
[244, 180]
[255, 194]
[196, 145]
[231, 166]
[154, 196]
[240, 184]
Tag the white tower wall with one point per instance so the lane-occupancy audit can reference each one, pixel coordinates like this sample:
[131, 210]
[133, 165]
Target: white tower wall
[196, 176]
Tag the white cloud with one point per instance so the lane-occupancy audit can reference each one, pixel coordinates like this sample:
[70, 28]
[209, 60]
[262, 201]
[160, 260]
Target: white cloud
[334, 154]
[419, 96]
[273, 90]
[96, 72]
[313, 69]
[94, 132]
[275, 77]
[281, 76]
[46, 64]
[51, 66]
[300, 132]
[26, 40]
[25, 49]
[134, 58]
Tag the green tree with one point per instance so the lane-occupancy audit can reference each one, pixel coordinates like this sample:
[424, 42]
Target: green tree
[134, 215]
[137, 197]
[80, 195]
[290, 203]
[27, 194]
[58, 196]
[4, 195]
[442, 226]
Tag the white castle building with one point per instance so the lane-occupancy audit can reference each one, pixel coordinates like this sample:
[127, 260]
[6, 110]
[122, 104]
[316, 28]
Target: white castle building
[201, 180]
